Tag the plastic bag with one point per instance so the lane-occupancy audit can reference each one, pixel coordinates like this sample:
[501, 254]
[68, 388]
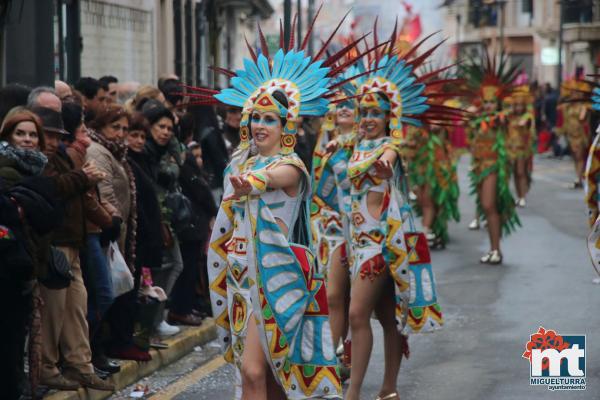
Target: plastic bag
[122, 278]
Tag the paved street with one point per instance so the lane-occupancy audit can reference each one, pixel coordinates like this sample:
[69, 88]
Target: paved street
[490, 311]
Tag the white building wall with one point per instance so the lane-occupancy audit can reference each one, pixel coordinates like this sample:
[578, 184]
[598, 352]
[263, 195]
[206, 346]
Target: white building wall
[118, 39]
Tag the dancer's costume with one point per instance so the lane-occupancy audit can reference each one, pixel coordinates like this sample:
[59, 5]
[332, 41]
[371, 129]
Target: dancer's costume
[521, 127]
[492, 80]
[330, 206]
[254, 268]
[430, 163]
[592, 185]
[381, 245]
[573, 120]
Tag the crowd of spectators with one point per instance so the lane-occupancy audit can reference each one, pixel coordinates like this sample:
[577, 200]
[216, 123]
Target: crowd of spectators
[107, 197]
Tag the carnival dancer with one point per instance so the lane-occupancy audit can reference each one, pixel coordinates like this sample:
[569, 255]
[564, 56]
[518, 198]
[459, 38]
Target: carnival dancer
[268, 299]
[391, 95]
[592, 181]
[490, 170]
[330, 207]
[520, 139]
[574, 123]
[433, 177]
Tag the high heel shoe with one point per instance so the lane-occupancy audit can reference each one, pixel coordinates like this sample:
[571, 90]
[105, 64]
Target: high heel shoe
[389, 396]
[494, 257]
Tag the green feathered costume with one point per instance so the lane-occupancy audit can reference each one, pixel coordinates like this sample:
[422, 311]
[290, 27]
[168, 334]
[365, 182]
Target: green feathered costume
[431, 164]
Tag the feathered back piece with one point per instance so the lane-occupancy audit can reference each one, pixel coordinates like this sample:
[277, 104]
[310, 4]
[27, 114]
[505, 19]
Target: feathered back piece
[576, 89]
[490, 77]
[393, 76]
[306, 82]
[586, 91]
[520, 95]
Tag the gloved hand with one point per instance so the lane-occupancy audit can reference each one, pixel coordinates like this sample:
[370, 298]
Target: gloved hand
[112, 233]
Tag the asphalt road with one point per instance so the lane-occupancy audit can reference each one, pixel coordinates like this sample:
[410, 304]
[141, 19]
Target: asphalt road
[490, 311]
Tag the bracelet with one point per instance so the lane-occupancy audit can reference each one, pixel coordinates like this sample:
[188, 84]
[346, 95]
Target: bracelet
[258, 181]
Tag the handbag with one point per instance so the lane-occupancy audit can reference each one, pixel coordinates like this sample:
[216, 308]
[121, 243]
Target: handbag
[180, 208]
[122, 279]
[60, 273]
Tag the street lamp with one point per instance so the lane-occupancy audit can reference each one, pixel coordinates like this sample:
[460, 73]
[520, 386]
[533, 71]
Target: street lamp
[501, 3]
[458, 18]
[560, 43]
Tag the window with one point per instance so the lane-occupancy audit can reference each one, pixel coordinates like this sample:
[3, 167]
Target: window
[527, 6]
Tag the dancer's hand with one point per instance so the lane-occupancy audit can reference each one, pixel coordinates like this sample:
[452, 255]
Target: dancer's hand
[331, 146]
[241, 186]
[383, 169]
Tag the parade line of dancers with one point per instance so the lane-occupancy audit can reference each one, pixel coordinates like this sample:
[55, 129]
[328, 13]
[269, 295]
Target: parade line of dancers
[301, 260]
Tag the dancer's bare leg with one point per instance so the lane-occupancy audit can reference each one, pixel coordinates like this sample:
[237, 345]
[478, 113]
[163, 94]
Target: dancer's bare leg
[427, 206]
[488, 203]
[254, 365]
[363, 296]
[521, 183]
[392, 342]
[338, 281]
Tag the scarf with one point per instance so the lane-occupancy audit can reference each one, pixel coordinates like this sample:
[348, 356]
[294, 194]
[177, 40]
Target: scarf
[119, 150]
[28, 162]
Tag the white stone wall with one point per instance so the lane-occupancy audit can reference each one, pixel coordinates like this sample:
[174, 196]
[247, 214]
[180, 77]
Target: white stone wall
[118, 39]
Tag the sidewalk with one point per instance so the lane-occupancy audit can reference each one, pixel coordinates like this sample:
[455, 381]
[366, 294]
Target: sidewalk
[132, 371]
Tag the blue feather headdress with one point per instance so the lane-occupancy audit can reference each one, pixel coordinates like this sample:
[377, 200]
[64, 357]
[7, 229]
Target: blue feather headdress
[393, 75]
[307, 82]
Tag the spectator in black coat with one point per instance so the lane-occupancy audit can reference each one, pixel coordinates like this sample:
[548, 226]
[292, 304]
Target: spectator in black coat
[148, 252]
[214, 148]
[193, 240]
[28, 208]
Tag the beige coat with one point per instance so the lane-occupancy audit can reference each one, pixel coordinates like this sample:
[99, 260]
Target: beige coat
[115, 188]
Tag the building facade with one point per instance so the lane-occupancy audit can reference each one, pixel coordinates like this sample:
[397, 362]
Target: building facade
[528, 30]
[134, 40]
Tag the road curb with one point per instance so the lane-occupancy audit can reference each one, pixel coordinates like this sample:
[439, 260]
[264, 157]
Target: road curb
[132, 371]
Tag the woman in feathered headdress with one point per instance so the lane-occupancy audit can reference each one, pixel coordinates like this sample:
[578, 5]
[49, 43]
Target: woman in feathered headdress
[383, 256]
[330, 207]
[267, 297]
[432, 171]
[490, 172]
[574, 118]
[520, 139]
[590, 97]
